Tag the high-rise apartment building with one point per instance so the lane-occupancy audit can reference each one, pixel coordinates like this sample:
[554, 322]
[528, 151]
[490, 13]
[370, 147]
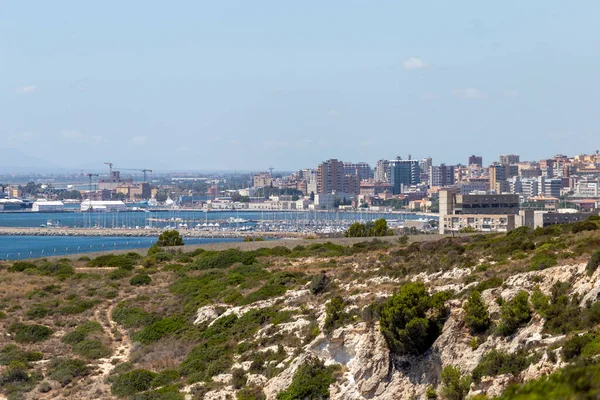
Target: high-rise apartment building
[383, 171]
[509, 159]
[330, 176]
[404, 173]
[498, 177]
[361, 169]
[332, 179]
[441, 175]
[476, 160]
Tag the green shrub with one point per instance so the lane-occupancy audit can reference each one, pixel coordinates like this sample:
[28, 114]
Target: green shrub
[514, 314]
[251, 393]
[411, 319]
[335, 315]
[170, 238]
[132, 317]
[92, 349]
[238, 378]
[77, 306]
[37, 311]
[124, 261]
[160, 329]
[542, 261]
[119, 273]
[80, 333]
[498, 362]
[140, 280]
[165, 377]
[319, 283]
[133, 382]
[581, 226]
[20, 266]
[15, 380]
[454, 385]
[311, 381]
[572, 382]
[222, 259]
[65, 370]
[586, 345]
[24, 333]
[12, 353]
[488, 284]
[593, 263]
[477, 317]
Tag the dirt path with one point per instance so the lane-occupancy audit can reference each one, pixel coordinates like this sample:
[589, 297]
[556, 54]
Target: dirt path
[120, 341]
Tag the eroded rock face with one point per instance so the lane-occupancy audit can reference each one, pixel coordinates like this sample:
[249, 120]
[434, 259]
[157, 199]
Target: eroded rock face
[369, 371]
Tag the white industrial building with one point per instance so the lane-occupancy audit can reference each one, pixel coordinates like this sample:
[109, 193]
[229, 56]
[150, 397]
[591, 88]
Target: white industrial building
[102, 205]
[47, 206]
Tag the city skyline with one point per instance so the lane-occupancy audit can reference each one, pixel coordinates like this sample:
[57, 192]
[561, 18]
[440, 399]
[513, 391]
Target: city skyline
[212, 86]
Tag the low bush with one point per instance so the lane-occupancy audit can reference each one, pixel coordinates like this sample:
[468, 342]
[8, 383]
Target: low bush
[514, 314]
[488, 284]
[222, 259]
[477, 317]
[581, 226]
[65, 370]
[593, 263]
[335, 315]
[586, 345]
[498, 362]
[251, 393]
[92, 349]
[160, 329]
[455, 386]
[132, 317]
[542, 261]
[80, 333]
[571, 382]
[140, 280]
[12, 353]
[319, 283]
[124, 261]
[311, 381]
[133, 382]
[24, 333]
[119, 273]
[411, 319]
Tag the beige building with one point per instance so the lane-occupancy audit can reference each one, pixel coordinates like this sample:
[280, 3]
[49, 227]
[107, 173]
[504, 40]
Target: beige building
[482, 212]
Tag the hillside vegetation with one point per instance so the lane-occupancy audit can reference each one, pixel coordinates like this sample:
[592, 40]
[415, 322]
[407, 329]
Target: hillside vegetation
[512, 315]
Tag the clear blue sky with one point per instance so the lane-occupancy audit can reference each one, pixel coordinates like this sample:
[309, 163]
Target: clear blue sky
[249, 84]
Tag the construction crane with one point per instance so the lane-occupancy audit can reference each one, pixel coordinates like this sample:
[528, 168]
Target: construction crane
[90, 192]
[109, 167]
[144, 170]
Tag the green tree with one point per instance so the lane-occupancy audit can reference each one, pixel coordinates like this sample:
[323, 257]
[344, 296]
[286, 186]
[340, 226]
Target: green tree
[357, 230]
[514, 314]
[477, 317]
[455, 386]
[411, 319]
[170, 238]
[379, 228]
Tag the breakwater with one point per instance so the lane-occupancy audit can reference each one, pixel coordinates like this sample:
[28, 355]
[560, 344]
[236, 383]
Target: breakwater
[125, 232]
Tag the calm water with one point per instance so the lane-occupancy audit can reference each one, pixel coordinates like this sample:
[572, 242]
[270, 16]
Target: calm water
[22, 247]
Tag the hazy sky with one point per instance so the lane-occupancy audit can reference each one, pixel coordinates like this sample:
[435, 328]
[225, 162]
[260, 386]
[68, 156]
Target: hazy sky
[249, 84]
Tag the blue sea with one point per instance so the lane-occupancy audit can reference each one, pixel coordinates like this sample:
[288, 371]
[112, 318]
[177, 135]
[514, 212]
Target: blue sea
[24, 247]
